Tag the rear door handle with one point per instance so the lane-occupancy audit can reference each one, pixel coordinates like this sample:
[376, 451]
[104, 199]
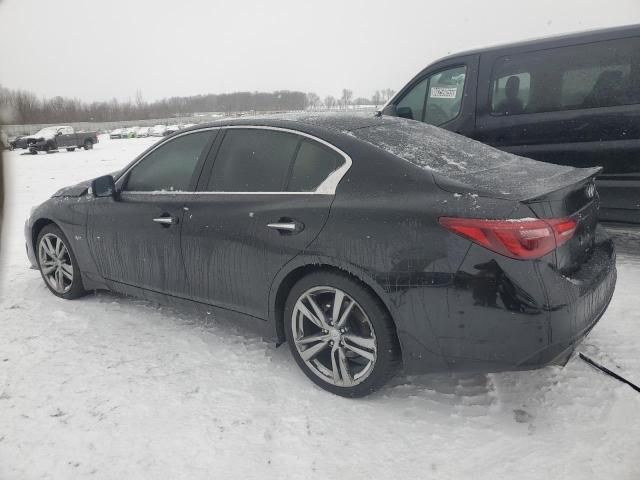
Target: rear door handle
[289, 226]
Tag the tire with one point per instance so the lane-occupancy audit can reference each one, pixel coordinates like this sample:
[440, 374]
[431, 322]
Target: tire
[69, 288]
[73, 149]
[334, 365]
[88, 144]
[33, 151]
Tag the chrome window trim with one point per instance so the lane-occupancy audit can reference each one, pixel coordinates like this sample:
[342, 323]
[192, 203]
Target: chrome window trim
[327, 187]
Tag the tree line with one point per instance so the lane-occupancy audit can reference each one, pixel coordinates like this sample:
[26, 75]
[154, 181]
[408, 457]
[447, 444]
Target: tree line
[24, 107]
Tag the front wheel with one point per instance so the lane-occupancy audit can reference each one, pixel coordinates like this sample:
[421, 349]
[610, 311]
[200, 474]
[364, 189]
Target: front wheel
[73, 149]
[340, 334]
[57, 263]
[88, 144]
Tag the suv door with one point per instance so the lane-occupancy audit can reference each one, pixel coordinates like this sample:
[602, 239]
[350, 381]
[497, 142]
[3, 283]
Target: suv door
[572, 105]
[135, 239]
[443, 95]
[263, 197]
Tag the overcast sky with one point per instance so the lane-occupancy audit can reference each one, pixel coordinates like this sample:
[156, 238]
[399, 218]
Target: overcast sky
[97, 50]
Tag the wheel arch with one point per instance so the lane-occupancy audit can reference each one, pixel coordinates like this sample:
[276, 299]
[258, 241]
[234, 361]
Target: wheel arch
[286, 279]
[37, 227]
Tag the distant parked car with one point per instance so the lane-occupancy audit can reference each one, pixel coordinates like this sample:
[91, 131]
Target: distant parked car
[116, 133]
[172, 129]
[128, 132]
[158, 131]
[19, 141]
[53, 138]
[143, 132]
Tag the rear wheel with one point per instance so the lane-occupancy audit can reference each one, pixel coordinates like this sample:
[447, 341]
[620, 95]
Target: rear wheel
[88, 144]
[57, 263]
[340, 334]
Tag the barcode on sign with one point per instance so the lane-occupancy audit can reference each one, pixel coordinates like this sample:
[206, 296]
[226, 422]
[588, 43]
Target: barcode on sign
[443, 92]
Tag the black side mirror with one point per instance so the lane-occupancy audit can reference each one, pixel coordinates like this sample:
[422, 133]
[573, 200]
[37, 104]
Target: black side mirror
[104, 186]
[404, 112]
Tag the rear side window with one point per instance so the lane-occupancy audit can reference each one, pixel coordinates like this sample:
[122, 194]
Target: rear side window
[313, 164]
[436, 99]
[171, 166]
[253, 160]
[594, 75]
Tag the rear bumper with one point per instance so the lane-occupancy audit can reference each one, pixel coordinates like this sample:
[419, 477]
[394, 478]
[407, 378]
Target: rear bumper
[503, 314]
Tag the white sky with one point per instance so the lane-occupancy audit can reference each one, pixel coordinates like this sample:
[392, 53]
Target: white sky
[99, 50]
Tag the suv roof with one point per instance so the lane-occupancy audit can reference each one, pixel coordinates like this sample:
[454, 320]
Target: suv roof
[583, 36]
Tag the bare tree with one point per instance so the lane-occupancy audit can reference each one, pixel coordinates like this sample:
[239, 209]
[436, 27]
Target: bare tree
[313, 100]
[330, 102]
[346, 97]
[388, 93]
[377, 98]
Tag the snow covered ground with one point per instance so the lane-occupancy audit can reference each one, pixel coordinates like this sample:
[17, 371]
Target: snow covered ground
[110, 387]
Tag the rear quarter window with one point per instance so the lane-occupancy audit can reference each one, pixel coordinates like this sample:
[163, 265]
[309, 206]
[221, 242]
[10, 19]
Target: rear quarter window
[313, 164]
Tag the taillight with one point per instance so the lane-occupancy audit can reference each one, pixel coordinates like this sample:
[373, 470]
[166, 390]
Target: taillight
[519, 238]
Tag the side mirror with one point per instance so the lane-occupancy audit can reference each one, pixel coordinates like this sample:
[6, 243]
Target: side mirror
[104, 186]
[58, 133]
[404, 112]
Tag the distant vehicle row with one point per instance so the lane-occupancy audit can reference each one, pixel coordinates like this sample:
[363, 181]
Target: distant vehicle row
[138, 132]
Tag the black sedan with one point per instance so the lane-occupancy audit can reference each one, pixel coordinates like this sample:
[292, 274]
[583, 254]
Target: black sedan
[368, 244]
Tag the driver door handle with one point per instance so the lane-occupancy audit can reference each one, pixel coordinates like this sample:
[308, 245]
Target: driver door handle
[287, 226]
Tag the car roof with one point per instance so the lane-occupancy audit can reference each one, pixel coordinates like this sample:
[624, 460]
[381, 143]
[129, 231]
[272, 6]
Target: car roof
[584, 36]
[337, 122]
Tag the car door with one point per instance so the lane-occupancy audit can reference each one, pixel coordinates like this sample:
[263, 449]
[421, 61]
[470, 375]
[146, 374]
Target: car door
[443, 94]
[135, 237]
[63, 137]
[264, 196]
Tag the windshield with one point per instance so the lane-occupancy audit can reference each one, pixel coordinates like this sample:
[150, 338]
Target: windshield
[48, 131]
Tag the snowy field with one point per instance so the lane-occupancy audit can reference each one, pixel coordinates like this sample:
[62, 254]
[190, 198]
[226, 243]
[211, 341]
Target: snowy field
[108, 387]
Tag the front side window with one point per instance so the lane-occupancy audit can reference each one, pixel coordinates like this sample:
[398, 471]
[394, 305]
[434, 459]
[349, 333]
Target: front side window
[412, 104]
[437, 99]
[594, 75]
[313, 164]
[253, 160]
[170, 167]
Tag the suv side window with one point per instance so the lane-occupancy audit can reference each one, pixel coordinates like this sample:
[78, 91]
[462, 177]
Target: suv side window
[313, 164]
[171, 166]
[594, 75]
[436, 99]
[253, 160]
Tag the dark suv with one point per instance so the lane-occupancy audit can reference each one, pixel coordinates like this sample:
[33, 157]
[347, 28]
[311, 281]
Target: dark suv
[571, 100]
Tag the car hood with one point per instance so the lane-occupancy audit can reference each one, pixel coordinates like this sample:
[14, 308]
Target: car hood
[77, 190]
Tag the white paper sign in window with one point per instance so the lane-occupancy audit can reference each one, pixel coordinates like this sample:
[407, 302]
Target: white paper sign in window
[443, 92]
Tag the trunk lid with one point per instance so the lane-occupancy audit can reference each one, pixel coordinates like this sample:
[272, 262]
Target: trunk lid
[580, 202]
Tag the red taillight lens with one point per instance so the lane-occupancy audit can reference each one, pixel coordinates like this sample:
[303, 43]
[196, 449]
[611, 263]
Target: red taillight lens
[521, 238]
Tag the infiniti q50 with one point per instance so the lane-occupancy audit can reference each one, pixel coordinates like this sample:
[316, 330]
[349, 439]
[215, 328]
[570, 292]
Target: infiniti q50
[369, 244]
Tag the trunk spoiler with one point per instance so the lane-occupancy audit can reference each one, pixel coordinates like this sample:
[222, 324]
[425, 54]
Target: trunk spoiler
[523, 181]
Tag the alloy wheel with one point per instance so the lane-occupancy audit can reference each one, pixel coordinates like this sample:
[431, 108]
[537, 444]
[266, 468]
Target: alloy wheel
[55, 263]
[334, 336]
